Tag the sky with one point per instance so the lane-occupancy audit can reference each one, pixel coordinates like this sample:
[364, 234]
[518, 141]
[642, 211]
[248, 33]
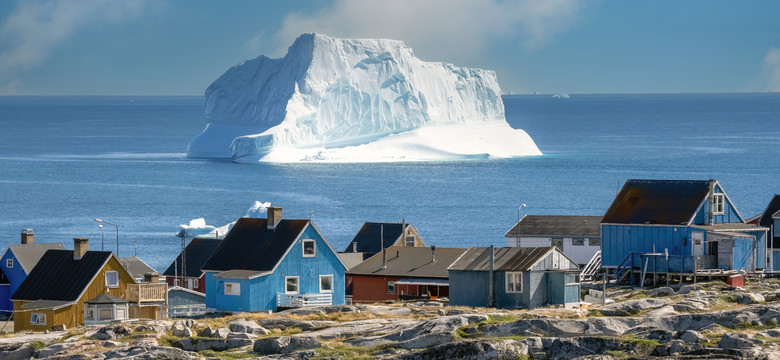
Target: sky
[178, 47]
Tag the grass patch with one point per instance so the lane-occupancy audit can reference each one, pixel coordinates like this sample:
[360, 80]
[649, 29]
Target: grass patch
[595, 313]
[617, 354]
[640, 346]
[353, 352]
[746, 325]
[227, 355]
[636, 295]
[37, 345]
[169, 340]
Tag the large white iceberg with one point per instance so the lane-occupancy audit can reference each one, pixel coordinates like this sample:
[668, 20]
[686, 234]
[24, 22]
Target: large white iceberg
[355, 100]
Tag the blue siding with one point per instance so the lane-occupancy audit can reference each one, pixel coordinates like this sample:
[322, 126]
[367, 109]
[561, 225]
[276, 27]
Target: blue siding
[15, 276]
[261, 293]
[469, 288]
[730, 214]
[776, 228]
[619, 240]
[743, 253]
[531, 289]
[776, 260]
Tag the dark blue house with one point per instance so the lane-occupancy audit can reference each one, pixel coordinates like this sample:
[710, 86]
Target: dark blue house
[266, 264]
[522, 277]
[678, 225]
[17, 261]
[770, 218]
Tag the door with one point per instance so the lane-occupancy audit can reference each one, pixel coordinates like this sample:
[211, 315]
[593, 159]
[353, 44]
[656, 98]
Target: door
[698, 243]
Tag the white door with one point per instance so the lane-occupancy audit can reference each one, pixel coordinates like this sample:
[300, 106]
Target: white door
[698, 243]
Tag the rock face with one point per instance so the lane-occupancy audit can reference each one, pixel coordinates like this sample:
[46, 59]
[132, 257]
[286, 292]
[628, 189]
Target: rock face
[247, 326]
[284, 344]
[362, 100]
[473, 350]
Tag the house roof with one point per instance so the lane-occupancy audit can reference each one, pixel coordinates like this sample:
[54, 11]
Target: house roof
[136, 267]
[240, 274]
[27, 255]
[59, 277]
[557, 225]
[410, 262]
[250, 245]
[45, 305]
[369, 238]
[198, 251]
[179, 288]
[106, 299]
[772, 209]
[504, 259]
[351, 259]
[668, 202]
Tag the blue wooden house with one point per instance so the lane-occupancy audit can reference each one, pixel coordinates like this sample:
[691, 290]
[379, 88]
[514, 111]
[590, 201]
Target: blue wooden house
[519, 277]
[676, 226]
[16, 263]
[266, 264]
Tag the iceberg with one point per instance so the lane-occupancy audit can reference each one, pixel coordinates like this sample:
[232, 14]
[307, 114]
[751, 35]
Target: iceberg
[198, 228]
[355, 100]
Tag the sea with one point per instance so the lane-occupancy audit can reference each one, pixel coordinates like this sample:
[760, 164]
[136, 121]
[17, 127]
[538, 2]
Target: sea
[65, 161]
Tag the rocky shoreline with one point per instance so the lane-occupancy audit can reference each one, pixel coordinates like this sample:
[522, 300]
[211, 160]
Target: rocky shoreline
[705, 321]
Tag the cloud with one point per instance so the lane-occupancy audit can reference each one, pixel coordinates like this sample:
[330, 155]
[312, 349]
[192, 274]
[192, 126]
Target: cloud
[438, 29]
[771, 70]
[35, 28]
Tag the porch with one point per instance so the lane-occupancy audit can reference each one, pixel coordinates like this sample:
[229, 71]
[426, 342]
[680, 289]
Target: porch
[302, 300]
[147, 292]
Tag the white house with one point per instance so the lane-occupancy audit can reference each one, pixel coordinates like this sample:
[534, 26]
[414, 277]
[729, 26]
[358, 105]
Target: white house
[579, 237]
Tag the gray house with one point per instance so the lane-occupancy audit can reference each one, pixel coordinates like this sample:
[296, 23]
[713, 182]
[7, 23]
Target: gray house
[579, 237]
[518, 278]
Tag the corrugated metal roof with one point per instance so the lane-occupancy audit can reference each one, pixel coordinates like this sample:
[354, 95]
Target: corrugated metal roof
[557, 225]
[731, 227]
[410, 262]
[250, 245]
[369, 238]
[350, 259]
[136, 267]
[60, 277]
[198, 251]
[668, 202]
[27, 255]
[106, 299]
[45, 305]
[240, 274]
[504, 259]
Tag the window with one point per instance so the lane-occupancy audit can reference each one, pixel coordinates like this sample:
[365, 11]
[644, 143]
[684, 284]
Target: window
[9, 263]
[326, 283]
[578, 242]
[712, 248]
[38, 318]
[391, 287]
[112, 279]
[309, 248]
[90, 313]
[409, 241]
[717, 204]
[291, 285]
[594, 242]
[176, 282]
[232, 288]
[514, 282]
[105, 314]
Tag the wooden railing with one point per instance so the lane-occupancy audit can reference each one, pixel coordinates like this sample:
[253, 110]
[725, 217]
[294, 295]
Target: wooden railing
[301, 300]
[147, 292]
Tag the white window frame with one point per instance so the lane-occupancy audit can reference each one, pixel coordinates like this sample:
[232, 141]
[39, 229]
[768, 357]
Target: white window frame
[234, 287]
[514, 282]
[116, 274]
[718, 204]
[331, 284]
[9, 263]
[390, 284]
[303, 247]
[297, 284]
[406, 241]
[38, 318]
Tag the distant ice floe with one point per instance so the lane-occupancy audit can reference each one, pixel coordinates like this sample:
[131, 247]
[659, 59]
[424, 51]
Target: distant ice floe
[355, 100]
[197, 228]
[561, 96]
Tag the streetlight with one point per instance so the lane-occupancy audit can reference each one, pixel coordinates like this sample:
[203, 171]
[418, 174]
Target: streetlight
[101, 237]
[117, 233]
[518, 224]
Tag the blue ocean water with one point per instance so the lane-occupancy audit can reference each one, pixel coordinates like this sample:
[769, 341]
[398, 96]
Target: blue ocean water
[67, 160]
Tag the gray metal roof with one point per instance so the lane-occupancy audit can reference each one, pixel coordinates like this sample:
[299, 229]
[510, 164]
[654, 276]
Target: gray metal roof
[505, 259]
[106, 299]
[410, 262]
[136, 267]
[27, 255]
[731, 227]
[351, 259]
[240, 274]
[45, 304]
[557, 225]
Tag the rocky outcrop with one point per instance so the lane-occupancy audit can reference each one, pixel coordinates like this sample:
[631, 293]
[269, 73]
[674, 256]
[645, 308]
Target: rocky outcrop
[474, 350]
[247, 327]
[284, 344]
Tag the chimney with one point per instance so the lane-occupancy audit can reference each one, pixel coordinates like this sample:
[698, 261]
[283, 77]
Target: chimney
[403, 231]
[28, 236]
[384, 259]
[433, 253]
[153, 278]
[274, 216]
[80, 246]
